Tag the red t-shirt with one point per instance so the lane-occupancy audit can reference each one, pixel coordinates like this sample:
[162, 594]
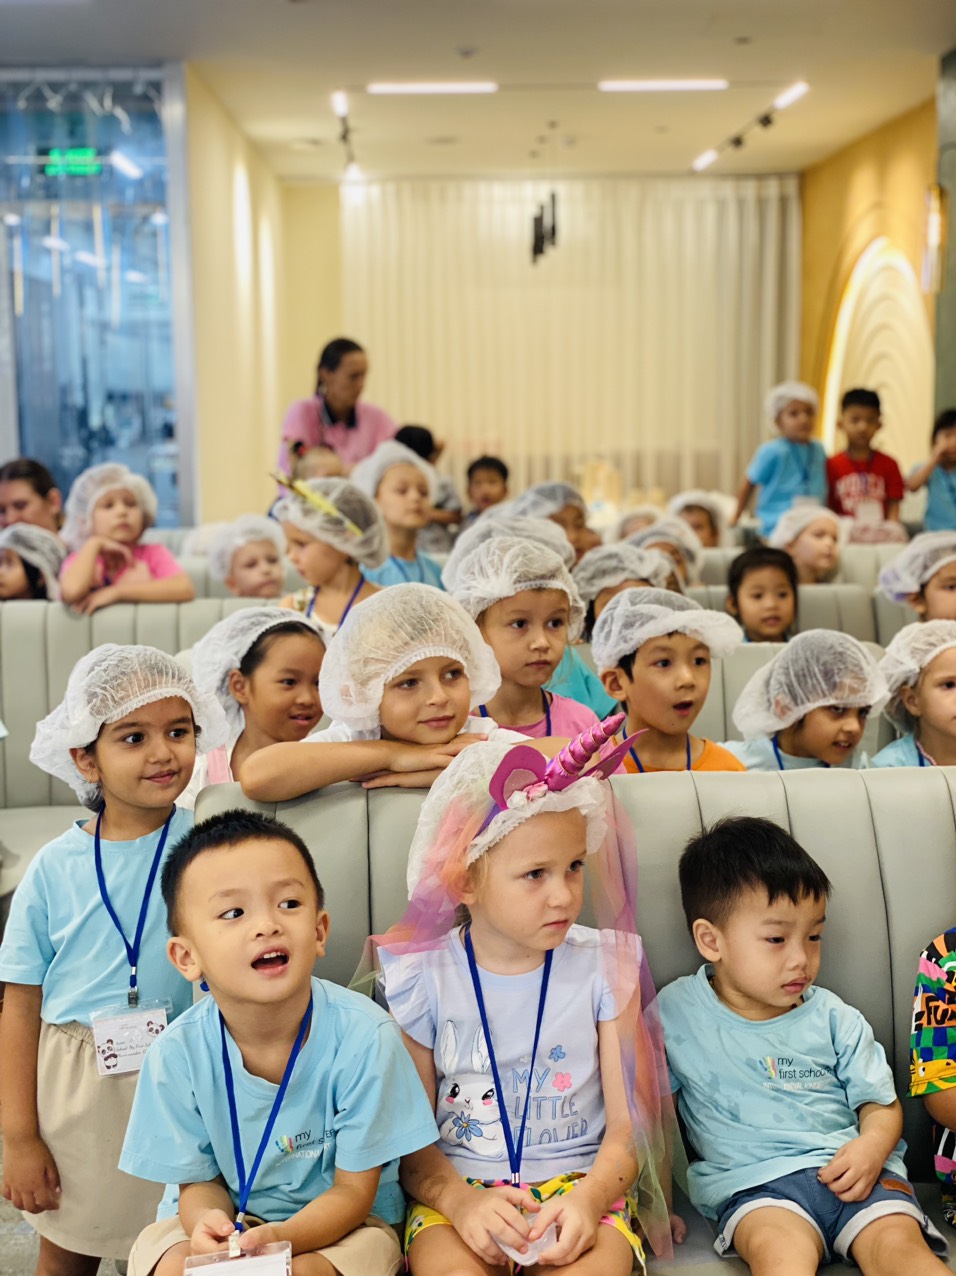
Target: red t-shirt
[852, 482]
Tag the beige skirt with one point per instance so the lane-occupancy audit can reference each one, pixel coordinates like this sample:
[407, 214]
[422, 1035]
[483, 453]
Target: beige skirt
[83, 1119]
[371, 1250]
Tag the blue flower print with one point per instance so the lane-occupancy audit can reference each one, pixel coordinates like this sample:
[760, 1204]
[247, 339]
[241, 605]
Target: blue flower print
[466, 1128]
[556, 1054]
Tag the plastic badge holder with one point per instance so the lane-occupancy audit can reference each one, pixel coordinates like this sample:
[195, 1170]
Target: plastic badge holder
[534, 1250]
[274, 1259]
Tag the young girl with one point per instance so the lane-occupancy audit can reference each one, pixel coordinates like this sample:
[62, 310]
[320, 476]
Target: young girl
[399, 680]
[673, 537]
[84, 952]
[263, 667]
[248, 555]
[30, 561]
[28, 494]
[811, 535]
[605, 572]
[920, 671]
[924, 575]
[809, 706]
[403, 486]
[525, 604]
[634, 520]
[762, 593]
[332, 530]
[107, 511]
[528, 1030]
[703, 514]
[562, 504]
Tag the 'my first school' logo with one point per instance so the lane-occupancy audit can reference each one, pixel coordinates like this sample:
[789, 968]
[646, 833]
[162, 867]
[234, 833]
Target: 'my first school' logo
[786, 1074]
[299, 1144]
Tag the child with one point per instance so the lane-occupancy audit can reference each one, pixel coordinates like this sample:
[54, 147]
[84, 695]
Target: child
[920, 671]
[791, 467]
[937, 476]
[499, 992]
[924, 575]
[635, 520]
[437, 537]
[796, 1171]
[332, 529]
[28, 494]
[808, 707]
[399, 680]
[562, 504]
[861, 476]
[525, 604]
[762, 593]
[653, 651]
[248, 555]
[605, 572]
[263, 667]
[675, 538]
[932, 1057]
[107, 511]
[30, 561]
[125, 739]
[487, 484]
[404, 487]
[811, 535]
[246, 914]
[315, 462]
[704, 515]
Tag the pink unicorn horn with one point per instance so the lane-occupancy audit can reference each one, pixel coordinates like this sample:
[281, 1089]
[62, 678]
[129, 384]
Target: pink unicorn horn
[568, 765]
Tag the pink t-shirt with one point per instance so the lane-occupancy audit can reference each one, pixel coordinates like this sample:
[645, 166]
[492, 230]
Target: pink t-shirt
[157, 558]
[306, 423]
[568, 718]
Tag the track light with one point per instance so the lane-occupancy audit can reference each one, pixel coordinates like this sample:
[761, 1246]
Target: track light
[704, 161]
[340, 104]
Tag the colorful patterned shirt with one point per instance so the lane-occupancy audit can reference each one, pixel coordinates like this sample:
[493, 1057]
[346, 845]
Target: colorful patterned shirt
[933, 1049]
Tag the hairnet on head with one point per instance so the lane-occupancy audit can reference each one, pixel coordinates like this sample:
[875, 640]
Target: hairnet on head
[387, 634]
[544, 500]
[709, 501]
[922, 558]
[672, 531]
[507, 566]
[338, 512]
[609, 565]
[907, 655]
[38, 547]
[817, 668]
[224, 647]
[635, 616]
[795, 521]
[540, 530]
[106, 684]
[368, 474]
[245, 530]
[94, 483]
[649, 514]
[789, 392]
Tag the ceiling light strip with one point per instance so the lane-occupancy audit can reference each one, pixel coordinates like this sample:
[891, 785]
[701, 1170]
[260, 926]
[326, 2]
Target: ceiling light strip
[663, 86]
[427, 87]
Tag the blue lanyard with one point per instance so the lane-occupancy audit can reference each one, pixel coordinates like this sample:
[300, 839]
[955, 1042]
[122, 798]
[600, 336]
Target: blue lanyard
[245, 1184]
[483, 710]
[948, 482]
[403, 568]
[514, 1157]
[802, 463]
[923, 760]
[779, 756]
[132, 949]
[348, 606]
[637, 760]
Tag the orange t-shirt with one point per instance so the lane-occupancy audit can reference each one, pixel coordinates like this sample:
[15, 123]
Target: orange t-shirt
[713, 758]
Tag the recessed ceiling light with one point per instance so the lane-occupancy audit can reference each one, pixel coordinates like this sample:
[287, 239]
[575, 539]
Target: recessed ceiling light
[11, 219]
[793, 94]
[662, 86]
[704, 161]
[433, 86]
[55, 244]
[89, 259]
[123, 164]
[340, 104]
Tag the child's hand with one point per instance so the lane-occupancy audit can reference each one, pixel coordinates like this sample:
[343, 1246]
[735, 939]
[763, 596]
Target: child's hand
[402, 779]
[115, 555]
[31, 1181]
[577, 1219]
[854, 1170]
[212, 1232]
[678, 1228]
[264, 1234]
[98, 598]
[426, 757]
[494, 1211]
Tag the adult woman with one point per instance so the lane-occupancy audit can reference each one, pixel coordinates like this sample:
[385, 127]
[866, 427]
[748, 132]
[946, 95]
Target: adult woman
[28, 494]
[334, 417]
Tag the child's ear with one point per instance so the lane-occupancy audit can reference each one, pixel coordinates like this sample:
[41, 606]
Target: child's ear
[707, 938]
[918, 603]
[230, 583]
[613, 680]
[730, 606]
[55, 500]
[910, 701]
[180, 952]
[85, 763]
[238, 687]
[322, 925]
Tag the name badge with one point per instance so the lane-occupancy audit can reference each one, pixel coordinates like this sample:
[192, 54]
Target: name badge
[122, 1034]
[274, 1259]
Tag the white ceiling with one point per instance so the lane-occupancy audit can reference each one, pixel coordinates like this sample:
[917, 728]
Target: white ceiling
[273, 63]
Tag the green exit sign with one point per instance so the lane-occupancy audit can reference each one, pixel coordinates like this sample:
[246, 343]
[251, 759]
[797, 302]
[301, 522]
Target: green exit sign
[72, 161]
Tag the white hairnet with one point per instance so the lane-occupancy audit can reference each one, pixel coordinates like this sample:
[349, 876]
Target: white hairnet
[38, 547]
[368, 474]
[788, 392]
[387, 634]
[673, 531]
[635, 616]
[491, 525]
[245, 530]
[795, 521]
[224, 648]
[87, 489]
[609, 565]
[508, 565]
[649, 513]
[712, 502]
[922, 558]
[817, 668]
[338, 512]
[106, 684]
[908, 654]
[546, 499]
[196, 542]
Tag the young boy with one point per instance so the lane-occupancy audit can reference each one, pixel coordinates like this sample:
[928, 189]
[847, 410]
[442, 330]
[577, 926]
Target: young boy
[861, 475]
[317, 1073]
[784, 1092]
[487, 484]
[937, 476]
[653, 650]
[788, 468]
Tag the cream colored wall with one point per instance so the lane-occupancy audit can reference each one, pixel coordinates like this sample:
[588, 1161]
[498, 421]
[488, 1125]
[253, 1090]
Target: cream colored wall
[312, 288]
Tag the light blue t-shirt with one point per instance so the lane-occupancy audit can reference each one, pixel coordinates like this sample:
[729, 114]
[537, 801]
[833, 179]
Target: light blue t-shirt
[764, 1099]
[759, 755]
[61, 936]
[397, 571]
[574, 679]
[940, 513]
[354, 1102]
[902, 752]
[783, 471]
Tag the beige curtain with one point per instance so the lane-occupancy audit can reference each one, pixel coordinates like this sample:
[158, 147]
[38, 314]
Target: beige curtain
[646, 338]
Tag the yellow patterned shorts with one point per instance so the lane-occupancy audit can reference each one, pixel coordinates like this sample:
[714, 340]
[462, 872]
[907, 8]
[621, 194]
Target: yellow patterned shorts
[618, 1216]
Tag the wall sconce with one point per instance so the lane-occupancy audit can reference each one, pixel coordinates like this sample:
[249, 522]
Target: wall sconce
[932, 273]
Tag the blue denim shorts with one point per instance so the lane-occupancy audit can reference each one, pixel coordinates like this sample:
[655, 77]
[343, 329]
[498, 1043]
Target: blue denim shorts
[837, 1223]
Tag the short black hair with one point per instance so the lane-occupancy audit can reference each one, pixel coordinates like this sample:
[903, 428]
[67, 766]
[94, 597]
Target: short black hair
[419, 438]
[743, 853]
[756, 559]
[945, 421]
[258, 651]
[230, 828]
[489, 463]
[35, 580]
[860, 399]
[333, 352]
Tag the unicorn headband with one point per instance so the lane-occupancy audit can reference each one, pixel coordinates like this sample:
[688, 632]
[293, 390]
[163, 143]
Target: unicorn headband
[317, 500]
